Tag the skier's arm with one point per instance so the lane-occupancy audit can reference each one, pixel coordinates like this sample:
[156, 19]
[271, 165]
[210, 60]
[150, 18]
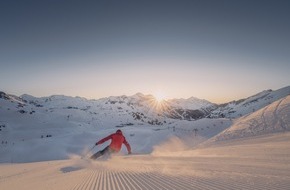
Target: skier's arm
[104, 139]
[127, 146]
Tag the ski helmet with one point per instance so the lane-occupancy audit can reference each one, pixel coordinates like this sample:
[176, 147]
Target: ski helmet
[118, 131]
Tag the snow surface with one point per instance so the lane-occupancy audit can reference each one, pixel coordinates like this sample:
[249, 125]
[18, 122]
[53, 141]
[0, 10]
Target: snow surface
[270, 119]
[257, 163]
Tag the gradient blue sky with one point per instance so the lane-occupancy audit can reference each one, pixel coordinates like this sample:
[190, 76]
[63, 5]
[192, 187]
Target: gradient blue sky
[216, 50]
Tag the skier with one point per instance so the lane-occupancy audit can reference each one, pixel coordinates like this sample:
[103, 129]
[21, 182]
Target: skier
[117, 139]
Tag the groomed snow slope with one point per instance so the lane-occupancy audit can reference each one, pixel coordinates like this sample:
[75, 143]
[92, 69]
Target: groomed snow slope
[259, 163]
[270, 119]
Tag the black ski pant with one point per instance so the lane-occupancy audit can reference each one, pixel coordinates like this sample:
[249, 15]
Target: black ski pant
[106, 150]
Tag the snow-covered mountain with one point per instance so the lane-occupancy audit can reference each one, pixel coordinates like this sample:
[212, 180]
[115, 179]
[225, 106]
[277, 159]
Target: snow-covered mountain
[49, 128]
[58, 126]
[137, 109]
[270, 119]
[236, 109]
[192, 104]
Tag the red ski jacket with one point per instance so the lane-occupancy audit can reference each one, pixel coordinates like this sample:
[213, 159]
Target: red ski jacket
[117, 139]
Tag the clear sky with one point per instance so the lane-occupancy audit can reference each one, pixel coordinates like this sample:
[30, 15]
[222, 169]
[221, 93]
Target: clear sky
[216, 50]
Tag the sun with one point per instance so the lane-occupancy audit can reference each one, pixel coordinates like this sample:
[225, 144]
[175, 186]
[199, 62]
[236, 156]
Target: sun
[159, 97]
[159, 103]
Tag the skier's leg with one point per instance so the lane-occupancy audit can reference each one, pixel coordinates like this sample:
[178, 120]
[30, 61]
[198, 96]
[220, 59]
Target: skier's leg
[100, 153]
[96, 155]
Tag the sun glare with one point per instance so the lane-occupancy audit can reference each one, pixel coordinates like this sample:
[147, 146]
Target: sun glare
[159, 97]
[158, 103]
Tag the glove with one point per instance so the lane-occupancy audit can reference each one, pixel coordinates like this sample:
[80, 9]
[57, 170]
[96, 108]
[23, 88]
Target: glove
[96, 144]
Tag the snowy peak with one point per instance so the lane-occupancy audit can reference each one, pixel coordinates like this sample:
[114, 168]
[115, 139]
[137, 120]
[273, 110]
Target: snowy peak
[11, 98]
[137, 98]
[192, 103]
[251, 104]
[258, 96]
[3, 95]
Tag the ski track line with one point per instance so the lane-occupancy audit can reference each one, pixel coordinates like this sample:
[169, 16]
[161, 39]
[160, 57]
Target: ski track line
[119, 183]
[148, 180]
[84, 182]
[283, 125]
[135, 181]
[226, 184]
[134, 177]
[214, 183]
[259, 183]
[263, 117]
[171, 180]
[127, 180]
[83, 179]
[90, 181]
[97, 180]
[152, 178]
[114, 182]
[276, 117]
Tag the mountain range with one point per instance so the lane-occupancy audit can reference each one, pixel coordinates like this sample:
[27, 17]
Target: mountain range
[141, 108]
